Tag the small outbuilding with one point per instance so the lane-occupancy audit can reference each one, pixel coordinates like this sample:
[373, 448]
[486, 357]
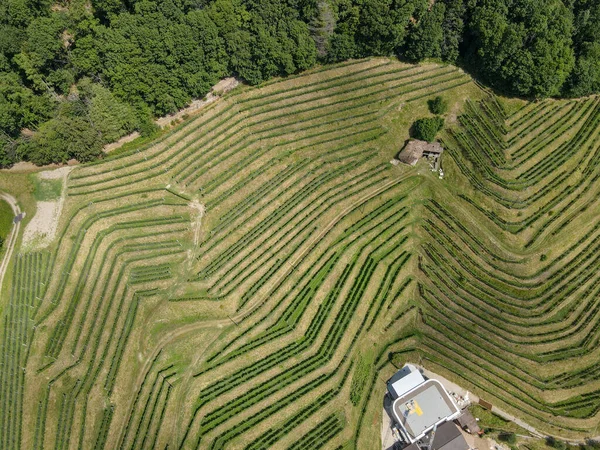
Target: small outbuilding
[468, 423]
[415, 149]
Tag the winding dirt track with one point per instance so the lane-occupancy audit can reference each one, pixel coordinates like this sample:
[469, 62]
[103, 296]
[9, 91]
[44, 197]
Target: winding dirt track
[12, 237]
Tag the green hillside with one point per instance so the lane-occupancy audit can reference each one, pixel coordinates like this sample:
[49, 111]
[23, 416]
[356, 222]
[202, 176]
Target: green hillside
[251, 278]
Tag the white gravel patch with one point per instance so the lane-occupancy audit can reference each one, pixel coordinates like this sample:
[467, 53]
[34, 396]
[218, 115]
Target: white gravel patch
[56, 174]
[41, 230]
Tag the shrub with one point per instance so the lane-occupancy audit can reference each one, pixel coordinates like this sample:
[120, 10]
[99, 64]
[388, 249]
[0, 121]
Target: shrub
[438, 105]
[426, 128]
[590, 445]
[555, 443]
[543, 257]
[509, 438]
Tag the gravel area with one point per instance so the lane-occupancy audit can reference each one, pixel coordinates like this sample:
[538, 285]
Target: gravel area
[41, 230]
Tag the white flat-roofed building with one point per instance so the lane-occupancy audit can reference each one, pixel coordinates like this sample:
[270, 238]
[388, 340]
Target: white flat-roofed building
[418, 405]
[409, 381]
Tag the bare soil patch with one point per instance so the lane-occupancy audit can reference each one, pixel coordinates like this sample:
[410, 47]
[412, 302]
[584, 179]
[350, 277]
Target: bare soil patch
[217, 90]
[124, 140]
[41, 230]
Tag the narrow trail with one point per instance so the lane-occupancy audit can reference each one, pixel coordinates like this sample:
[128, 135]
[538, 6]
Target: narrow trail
[12, 237]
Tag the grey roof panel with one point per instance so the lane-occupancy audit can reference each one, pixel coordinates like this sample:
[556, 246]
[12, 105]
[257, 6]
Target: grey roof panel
[449, 437]
[418, 410]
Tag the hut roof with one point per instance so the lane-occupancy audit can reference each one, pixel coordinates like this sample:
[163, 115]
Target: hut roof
[468, 422]
[414, 150]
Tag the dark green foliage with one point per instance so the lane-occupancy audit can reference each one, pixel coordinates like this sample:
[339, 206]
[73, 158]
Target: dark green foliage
[19, 13]
[590, 444]
[452, 29]
[382, 26]
[110, 117]
[438, 105]
[426, 128]
[83, 125]
[342, 47]
[523, 47]
[160, 56]
[61, 139]
[150, 57]
[586, 37]
[425, 38]
[44, 53]
[509, 438]
[8, 151]
[154, 57]
[20, 107]
[556, 443]
[105, 9]
[585, 79]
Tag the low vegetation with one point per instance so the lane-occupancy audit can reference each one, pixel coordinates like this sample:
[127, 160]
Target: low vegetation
[272, 317]
[360, 378]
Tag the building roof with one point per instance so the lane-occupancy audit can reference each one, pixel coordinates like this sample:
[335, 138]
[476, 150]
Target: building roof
[404, 380]
[468, 422]
[414, 150]
[419, 409]
[449, 437]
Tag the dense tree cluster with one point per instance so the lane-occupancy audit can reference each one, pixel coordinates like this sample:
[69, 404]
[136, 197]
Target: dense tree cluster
[76, 74]
[427, 128]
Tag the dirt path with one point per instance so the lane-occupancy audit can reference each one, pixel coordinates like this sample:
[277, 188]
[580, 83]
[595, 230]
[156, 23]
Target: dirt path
[121, 142]
[222, 87]
[197, 222]
[12, 237]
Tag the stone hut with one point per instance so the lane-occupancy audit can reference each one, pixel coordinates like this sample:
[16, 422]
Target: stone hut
[415, 149]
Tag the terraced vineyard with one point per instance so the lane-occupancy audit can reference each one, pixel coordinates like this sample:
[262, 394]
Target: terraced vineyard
[225, 285]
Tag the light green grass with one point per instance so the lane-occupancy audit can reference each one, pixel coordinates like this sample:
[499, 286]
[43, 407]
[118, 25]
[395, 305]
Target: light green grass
[20, 186]
[6, 219]
[46, 190]
[294, 293]
[492, 422]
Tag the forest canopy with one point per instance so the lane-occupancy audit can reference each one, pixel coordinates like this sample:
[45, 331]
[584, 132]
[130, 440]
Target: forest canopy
[75, 75]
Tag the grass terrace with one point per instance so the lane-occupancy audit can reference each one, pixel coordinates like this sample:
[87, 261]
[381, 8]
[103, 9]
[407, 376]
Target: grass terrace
[249, 278]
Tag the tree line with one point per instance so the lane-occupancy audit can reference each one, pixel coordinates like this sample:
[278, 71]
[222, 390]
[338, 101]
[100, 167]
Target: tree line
[75, 75]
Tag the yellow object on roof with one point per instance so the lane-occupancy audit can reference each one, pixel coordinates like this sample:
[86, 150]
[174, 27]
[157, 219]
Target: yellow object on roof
[418, 409]
[413, 407]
